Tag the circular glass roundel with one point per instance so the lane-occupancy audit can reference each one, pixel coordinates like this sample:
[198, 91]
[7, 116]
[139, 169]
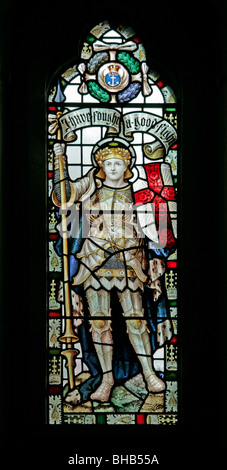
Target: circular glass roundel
[112, 79]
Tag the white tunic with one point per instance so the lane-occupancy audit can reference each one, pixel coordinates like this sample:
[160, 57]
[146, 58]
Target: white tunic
[112, 255]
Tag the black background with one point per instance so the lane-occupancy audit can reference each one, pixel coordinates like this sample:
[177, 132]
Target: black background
[188, 38]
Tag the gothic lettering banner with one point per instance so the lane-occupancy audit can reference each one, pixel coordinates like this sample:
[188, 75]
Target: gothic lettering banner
[84, 117]
[151, 124]
[132, 122]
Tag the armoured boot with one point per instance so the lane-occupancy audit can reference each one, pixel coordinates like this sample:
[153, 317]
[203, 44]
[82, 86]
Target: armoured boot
[138, 335]
[103, 343]
[139, 338]
[102, 339]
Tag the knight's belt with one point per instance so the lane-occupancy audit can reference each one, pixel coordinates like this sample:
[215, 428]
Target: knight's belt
[115, 273]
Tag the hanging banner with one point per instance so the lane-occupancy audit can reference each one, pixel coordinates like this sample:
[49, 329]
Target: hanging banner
[150, 124]
[132, 122]
[84, 117]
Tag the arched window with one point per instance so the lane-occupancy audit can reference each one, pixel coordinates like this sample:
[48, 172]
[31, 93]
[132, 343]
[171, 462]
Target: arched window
[112, 217]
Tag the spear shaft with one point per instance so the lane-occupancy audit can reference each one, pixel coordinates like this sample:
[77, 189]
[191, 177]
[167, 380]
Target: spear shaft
[68, 337]
[64, 230]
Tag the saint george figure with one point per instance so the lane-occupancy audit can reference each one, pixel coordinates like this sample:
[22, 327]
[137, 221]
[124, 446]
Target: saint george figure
[112, 256]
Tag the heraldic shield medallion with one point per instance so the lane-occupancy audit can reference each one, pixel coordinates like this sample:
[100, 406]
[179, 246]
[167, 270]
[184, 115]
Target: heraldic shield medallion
[113, 77]
[112, 217]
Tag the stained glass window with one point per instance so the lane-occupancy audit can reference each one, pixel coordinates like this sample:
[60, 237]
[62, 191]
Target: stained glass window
[112, 231]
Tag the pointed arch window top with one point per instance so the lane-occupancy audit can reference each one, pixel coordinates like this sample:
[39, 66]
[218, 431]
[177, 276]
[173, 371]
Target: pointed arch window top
[113, 69]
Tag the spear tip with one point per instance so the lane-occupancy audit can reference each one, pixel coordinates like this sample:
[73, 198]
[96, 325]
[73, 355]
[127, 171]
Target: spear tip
[59, 95]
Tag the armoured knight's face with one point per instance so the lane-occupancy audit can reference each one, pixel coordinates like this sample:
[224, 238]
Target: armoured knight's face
[114, 168]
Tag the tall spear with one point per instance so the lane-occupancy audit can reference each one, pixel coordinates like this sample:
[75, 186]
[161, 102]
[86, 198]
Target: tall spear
[69, 336]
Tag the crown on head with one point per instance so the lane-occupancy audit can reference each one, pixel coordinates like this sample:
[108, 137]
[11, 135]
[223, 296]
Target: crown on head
[115, 152]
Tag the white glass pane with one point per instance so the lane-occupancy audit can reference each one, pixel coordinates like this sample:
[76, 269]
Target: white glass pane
[73, 155]
[91, 135]
[71, 94]
[156, 96]
[87, 155]
[74, 172]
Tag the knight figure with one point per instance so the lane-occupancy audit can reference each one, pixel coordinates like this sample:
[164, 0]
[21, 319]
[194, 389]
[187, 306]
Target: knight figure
[116, 255]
